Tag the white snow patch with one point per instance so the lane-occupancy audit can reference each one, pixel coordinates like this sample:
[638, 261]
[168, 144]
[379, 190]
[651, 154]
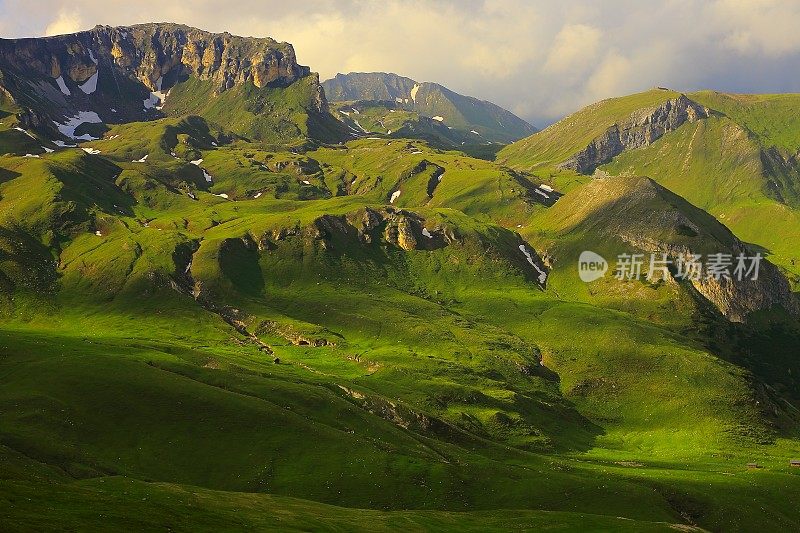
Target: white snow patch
[546, 188]
[91, 56]
[258, 195]
[213, 143]
[25, 132]
[206, 175]
[68, 128]
[529, 257]
[91, 151]
[113, 110]
[395, 194]
[90, 85]
[32, 155]
[356, 111]
[398, 99]
[63, 86]
[157, 98]
[414, 92]
[188, 267]
[197, 161]
[389, 132]
[62, 144]
[222, 195]
[360, 126]
[437, 117]
[475, 132]
[98, 233]
[427, 233]
[142, 160]
[541, 193]
[48, 150]
[415, 152]
[306, 182]
[343, 112]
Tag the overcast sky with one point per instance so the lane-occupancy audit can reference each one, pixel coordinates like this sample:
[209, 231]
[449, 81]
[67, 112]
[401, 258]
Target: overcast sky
[540, 59]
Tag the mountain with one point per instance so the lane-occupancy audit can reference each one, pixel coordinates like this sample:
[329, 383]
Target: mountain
[477, 120]
[71, 87]
[241, 310]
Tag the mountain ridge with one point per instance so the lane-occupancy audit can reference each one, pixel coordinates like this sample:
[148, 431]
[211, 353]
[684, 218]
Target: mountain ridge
[431, 100]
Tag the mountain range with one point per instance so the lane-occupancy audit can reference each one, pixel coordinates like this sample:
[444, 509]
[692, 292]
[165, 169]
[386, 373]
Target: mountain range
[235, 297]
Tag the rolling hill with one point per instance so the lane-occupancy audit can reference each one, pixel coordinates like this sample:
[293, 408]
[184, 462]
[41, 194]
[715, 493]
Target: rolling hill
[230, 312]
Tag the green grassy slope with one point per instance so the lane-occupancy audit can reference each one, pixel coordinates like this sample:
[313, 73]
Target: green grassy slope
[267, 348]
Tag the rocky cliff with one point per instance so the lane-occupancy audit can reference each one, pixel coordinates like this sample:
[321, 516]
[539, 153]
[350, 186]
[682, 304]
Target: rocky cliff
[150, 52]
[123, 74]
[642, 128]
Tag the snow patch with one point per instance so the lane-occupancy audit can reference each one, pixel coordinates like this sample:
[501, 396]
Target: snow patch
[414, 92]
[258, 195]
[475, 132]
[68, 128]
[63, 86]
[32, 155]
[62, 144]
[197, 161]
[222, 195]
[541, 193]
[98, 233]
[48, 150]
[90, 85]
[91, 56]
[437, 117]
[529, 257]
[142, 160]
[91, 151]
[206, 175]
[306, 182]
[415, 152]
[427, 233]
[394, 197]
[25, 132]
[157, 98]
[546, 188]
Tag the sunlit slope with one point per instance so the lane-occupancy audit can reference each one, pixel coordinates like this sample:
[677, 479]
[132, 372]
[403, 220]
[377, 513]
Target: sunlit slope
[543, 151]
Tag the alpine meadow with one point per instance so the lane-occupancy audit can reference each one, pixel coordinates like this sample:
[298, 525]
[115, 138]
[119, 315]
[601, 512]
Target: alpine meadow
[236, 297]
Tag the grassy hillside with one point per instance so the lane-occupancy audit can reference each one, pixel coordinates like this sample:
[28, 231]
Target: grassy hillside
[208, 322]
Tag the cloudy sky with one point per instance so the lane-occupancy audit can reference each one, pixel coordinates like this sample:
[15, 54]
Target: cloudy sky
[540, 59]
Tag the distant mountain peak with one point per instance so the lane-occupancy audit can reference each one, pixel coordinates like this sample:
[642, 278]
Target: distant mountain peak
[430, 100]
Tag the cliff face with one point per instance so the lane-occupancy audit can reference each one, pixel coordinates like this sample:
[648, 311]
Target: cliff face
[112, 75]
[642, 128]
[149, 52]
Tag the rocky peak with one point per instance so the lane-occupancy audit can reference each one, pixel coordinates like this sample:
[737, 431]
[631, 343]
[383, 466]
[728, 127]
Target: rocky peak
[153, 53]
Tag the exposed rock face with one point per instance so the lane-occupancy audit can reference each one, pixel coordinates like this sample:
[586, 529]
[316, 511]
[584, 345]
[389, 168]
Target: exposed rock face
[642, 128]
[149, 52]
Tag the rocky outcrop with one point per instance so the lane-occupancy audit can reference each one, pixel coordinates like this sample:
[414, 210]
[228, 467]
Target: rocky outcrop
[643, 127]
[153, 52]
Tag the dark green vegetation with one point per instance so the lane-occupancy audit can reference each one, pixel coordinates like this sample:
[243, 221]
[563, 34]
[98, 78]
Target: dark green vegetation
[220, 318]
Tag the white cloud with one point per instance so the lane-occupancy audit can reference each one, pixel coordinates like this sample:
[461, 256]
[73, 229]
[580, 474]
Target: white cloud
[66, 22]
[574, 49]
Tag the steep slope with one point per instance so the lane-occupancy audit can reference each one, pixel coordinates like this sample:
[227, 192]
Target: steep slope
[595, 134]
[481, 119]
